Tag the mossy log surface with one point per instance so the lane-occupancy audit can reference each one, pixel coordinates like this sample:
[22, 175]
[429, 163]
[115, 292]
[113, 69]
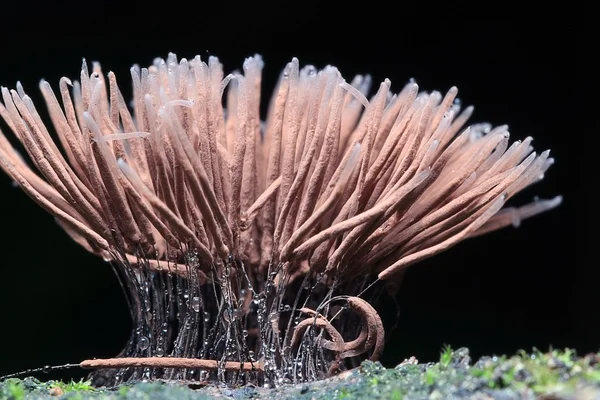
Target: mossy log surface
[558, 374]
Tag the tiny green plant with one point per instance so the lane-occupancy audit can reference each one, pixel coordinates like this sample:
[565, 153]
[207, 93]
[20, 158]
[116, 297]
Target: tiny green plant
[431, 376]
[80, 386]
[446, 356]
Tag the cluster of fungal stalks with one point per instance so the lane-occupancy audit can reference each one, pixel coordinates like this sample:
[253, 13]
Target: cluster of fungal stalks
[247, 248]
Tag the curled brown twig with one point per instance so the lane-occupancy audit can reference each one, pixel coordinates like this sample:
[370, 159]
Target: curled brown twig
[335, 344]
[372, 334]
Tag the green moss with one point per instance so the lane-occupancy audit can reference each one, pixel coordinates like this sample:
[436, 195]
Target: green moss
[396, 395]
[12, 389]
[81, 386]
[556, 371]
[123, 390]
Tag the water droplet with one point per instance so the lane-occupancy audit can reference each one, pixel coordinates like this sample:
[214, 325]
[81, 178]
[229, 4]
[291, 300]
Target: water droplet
[195, 303]
[143, 343]
[245, 333]
[479, 130]
[287, 308]
[206, 317]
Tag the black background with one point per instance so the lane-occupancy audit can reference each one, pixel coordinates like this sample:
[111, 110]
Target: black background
[514, 289]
